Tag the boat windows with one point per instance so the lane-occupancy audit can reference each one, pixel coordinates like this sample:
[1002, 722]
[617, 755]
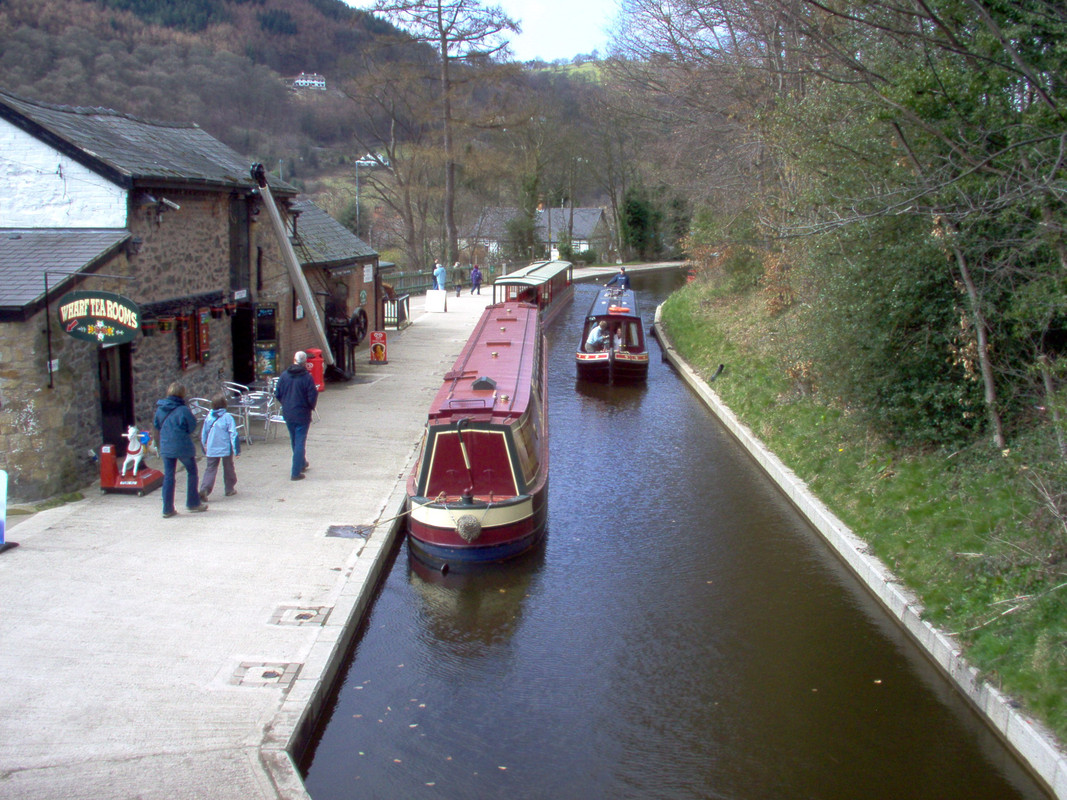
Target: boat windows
[527, 435]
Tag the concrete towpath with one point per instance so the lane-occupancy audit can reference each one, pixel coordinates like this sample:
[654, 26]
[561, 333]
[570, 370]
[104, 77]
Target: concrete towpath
[181, 658]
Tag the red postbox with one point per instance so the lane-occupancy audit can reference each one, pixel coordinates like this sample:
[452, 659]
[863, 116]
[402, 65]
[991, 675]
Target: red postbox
[317, 367]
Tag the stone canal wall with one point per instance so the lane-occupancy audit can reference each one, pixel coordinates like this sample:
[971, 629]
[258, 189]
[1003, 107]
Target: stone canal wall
[1035, 745]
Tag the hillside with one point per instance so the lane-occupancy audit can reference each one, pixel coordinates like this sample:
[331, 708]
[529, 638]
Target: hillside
[221, 64]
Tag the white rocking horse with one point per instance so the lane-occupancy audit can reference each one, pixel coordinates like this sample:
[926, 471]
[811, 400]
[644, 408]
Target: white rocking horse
[135, 451]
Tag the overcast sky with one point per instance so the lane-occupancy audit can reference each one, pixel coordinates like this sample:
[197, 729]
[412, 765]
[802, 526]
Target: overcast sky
[552, 29]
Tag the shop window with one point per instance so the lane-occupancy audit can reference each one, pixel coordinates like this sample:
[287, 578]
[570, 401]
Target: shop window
[194, 338]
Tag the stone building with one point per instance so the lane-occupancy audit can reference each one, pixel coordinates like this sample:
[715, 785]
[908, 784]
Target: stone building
[163, 215]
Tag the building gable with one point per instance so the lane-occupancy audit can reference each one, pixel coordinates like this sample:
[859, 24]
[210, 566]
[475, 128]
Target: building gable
[41, 187]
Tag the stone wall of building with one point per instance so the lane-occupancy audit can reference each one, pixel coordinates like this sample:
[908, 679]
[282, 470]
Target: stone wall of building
[48, 435]
[184, 255]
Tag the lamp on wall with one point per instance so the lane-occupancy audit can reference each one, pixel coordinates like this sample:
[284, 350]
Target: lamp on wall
[133, 245]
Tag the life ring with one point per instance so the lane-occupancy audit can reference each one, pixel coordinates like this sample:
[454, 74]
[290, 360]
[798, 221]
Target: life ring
[357, 326]
[618, 310]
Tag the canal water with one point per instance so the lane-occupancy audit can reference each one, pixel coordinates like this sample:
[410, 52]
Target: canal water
[682, 633]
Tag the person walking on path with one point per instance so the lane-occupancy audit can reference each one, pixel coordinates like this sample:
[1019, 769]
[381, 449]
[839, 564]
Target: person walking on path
[438, 275]
[476, 280]
[175, 425]
[297, 393]
[221, 443]
[457, 277]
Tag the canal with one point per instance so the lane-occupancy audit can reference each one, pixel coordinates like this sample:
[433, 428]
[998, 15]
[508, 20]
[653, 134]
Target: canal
[682, 633]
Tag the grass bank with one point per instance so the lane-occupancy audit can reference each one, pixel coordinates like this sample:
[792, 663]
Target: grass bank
[966, 530]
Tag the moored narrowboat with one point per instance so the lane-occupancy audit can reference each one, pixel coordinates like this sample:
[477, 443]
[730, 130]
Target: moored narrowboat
[612, 347]
[478, 492]
[547, 284]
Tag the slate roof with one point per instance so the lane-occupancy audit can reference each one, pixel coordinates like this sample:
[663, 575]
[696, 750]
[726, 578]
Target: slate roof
[493, 222]
[322, 241]
[25, 253]
[126, 149]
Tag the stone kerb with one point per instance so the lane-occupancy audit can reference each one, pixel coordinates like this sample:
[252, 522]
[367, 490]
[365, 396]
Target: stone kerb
[1035, 745]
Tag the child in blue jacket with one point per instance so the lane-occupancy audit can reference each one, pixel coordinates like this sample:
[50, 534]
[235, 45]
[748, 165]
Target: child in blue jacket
[221, 443]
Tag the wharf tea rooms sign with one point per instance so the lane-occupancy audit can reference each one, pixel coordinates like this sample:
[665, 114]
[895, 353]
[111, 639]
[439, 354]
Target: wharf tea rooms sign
[101, 317]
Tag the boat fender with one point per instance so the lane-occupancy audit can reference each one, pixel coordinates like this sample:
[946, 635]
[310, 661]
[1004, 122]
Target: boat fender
[468, 527]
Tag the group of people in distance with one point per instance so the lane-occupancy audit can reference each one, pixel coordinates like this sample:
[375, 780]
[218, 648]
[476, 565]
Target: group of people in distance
[440, 278]
[175, 427]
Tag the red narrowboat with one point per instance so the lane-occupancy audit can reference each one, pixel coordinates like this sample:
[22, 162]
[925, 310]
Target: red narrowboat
[612, 347]
[547, 284]
[479, 490]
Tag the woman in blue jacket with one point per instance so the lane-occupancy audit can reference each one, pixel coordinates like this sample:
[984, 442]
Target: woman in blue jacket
[175, 424]
[221, 443]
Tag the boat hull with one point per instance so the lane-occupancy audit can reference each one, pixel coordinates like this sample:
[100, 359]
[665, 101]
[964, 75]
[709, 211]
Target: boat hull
[612, 367]
[505, 529]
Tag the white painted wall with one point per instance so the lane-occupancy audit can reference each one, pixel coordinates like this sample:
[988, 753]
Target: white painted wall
[42, 188]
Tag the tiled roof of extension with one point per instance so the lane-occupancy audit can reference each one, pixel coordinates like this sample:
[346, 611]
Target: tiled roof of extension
[322, 241]
[25, 254]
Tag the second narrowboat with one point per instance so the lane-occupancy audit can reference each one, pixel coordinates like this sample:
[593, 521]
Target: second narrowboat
[612, 348]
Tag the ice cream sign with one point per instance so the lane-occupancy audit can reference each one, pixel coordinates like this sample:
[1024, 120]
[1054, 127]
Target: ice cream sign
[101, 317]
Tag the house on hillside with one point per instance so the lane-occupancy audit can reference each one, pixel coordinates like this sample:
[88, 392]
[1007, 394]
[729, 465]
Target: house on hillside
[587, 229]
[309, 80]
[167, 219]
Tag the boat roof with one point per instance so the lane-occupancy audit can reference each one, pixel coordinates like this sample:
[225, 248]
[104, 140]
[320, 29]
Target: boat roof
[492, 379]
[535, 274]
[612, 301]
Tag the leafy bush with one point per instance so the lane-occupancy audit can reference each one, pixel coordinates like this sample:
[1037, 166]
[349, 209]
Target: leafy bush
[883, 321]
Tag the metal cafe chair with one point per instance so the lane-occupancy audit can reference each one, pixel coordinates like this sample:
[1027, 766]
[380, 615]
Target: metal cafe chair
[235, 389]
[200, 407]
[273, 419]
[256, 406]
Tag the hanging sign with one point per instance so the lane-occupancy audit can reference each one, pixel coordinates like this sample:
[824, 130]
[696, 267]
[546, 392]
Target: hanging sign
[102, 317]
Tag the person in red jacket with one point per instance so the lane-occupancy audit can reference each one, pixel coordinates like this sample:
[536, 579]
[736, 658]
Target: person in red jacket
[297, 393]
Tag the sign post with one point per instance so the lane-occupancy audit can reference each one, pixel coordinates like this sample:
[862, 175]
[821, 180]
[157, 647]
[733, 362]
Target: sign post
[3, 513]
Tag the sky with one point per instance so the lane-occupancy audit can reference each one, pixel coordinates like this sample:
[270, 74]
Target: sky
[554, 29]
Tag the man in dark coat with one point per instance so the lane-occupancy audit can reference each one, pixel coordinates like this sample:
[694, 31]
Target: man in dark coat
[621, 279]
[298, 395]
[175, 425]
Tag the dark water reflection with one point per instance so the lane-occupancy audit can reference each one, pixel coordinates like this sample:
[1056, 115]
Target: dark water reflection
[680, 634]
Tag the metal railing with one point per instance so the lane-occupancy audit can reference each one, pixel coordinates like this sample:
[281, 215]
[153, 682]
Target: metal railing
[409, 282]
[398, 311]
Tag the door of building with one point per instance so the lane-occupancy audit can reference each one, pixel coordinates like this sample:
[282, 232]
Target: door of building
[242, 330]
[115, 369]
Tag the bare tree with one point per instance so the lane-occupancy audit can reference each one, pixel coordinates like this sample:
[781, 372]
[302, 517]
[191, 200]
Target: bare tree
[458, 30]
